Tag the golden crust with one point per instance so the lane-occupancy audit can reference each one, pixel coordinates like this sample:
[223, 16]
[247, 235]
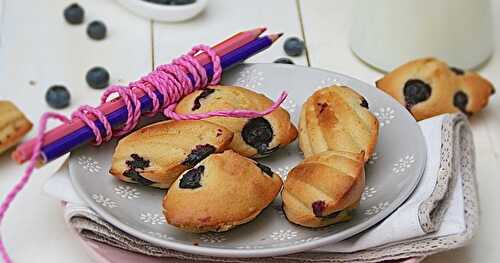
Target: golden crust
[333, 119]
[166, 145]
[233, 191]
[444, 83]
[232, 97]
[13, 125]
[333, 179]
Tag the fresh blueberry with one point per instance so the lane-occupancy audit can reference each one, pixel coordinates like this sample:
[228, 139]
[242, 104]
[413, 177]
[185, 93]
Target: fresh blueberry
[97, 78]
[137, 162]
[161, 2]
[74, 14]
[364, 103]
[182, 2]
[318, 207]
[457, 71]
[460, 101]
[322, 106]
[137, 177]
[294, 46]
[57, 97]
[96, 30]
[258, 133]
[203, 94]
[284, 61]
[198, 154]
[191, 179]
[265, 169]
[416, 91]
[332, 215]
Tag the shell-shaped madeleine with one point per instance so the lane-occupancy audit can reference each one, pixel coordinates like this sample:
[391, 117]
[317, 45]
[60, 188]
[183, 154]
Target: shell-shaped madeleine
[323, 188]
[157, 154]
[255, 137]
[337, 118]
[221, 192]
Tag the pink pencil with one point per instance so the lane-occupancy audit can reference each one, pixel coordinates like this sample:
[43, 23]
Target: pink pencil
[24, 151]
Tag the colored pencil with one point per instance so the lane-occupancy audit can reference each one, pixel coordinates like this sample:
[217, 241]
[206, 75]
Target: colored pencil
[24, 151]
[84, 135]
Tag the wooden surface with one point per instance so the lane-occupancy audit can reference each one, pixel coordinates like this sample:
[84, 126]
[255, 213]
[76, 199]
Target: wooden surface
[38, 49]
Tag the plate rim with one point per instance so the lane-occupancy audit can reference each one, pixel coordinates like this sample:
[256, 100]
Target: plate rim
[271, 251]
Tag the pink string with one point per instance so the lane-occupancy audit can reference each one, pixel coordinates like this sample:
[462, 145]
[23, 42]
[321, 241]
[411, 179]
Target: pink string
[27, 173]
[172, 81]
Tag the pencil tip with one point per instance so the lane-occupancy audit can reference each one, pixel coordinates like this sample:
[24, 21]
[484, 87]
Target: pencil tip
[275, 37]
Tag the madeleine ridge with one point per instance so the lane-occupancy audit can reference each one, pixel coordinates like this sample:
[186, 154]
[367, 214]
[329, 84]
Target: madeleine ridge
[322, 189]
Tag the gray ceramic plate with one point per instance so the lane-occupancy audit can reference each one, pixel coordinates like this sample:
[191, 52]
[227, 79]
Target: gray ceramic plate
[392, 175]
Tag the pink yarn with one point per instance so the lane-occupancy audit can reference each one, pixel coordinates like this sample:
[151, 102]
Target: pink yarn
[172, 81]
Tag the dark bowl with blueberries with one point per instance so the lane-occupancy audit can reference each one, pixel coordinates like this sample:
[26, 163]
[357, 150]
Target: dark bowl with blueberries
[165, 10]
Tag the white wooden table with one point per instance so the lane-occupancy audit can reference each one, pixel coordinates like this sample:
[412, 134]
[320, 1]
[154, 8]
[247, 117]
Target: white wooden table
[37, 46]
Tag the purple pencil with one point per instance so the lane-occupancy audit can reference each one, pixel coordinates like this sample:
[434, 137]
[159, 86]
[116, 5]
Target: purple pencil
[84, 135]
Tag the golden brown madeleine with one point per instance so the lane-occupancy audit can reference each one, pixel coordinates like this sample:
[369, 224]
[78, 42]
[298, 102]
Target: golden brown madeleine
[428, 87]
[322, 189]
[256, 137]
[337, 118]
[13, 125]
[157, 154]
[221, 192]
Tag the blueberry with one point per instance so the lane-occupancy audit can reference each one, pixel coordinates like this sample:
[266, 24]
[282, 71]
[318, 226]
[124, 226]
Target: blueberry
[416, 91]
[182, 2]
[203, 94]
[332, 215]
[74, 14]
[457, 71]
[198, 154]
[294, 46]
[191, 179]
[322, 106]
[364, 103]
[460, 101]
[258, 133]
[57, 97]
[137, 162]
[265, 169]
[318, 207]
[96, 30]
[97, 78]
[137, 177]
[283, 61]
[171, 2]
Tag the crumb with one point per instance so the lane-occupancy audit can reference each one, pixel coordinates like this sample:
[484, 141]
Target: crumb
[32, 82]
[195, 243]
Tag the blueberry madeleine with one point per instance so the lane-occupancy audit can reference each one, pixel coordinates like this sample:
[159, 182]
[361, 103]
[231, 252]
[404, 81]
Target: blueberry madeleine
[337, 118]
[322, 189]
[157, 154]
[257, 137]
[221, 192]
[429, 87]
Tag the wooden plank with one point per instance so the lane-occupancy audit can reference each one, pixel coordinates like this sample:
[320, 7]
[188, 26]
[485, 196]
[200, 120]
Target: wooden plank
[38, 46]
[221, 19]
[326, 26]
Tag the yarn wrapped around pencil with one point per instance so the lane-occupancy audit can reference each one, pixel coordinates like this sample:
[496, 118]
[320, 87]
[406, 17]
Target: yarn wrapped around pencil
[171, 81]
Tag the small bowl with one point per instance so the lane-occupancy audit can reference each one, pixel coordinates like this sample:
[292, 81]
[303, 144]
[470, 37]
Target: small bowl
[164, 13]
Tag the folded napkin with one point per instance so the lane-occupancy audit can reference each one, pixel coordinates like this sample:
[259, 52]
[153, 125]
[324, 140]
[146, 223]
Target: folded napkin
[441, 214]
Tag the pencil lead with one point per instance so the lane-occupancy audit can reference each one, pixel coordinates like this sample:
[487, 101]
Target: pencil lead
[275, 37]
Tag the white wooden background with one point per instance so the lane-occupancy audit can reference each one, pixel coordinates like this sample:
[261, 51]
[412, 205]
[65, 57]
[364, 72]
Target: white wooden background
[38, 49]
